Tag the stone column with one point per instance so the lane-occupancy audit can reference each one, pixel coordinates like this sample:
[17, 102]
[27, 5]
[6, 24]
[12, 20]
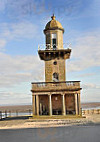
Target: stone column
[37, 105]
[33, 102]
[50, 105]
[79, 104]
[76, 104]
[63, 105]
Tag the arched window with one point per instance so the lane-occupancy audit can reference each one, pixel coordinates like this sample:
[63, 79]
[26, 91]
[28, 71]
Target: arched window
[55, 77]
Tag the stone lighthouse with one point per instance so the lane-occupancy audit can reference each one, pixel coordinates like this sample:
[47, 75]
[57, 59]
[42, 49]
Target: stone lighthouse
[55, 96]
[55, 62]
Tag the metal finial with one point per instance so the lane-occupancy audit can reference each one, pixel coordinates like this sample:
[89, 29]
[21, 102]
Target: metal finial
[53, 17]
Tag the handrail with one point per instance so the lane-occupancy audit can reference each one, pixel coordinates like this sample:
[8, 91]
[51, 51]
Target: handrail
[51, 46]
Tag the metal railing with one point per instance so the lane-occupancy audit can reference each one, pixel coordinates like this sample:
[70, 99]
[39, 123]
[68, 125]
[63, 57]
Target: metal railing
[90, 111]
[7, 113]
[53, 46]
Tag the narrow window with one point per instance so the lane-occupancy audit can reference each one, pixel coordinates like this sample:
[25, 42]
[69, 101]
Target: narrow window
[54, 38]
[55, 77]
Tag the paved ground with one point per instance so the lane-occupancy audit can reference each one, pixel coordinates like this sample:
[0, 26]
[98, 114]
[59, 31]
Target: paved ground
[25, 122]
[88, 133]
[74, 130]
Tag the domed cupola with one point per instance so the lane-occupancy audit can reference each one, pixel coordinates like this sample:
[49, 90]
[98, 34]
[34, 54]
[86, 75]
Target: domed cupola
[53, 25]
[54, 34]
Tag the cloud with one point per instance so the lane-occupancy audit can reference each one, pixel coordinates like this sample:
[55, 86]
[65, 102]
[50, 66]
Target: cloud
[13, 98]
[90, 92]
[19, 31]
[3, 5]
[90, 86]
[2, 44]
[86, 52]
[18, 10]
[86, 75]
[15, 70]
[93, 10]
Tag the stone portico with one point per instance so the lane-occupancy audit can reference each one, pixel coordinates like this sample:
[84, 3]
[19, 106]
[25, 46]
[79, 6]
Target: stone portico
[53, 98]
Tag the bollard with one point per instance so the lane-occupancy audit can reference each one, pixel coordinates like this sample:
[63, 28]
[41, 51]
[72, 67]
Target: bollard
[29, 111]
[5, 114]
[83, 112]
[0, 114]
[16, 113]
[86, 112]
[9, 113]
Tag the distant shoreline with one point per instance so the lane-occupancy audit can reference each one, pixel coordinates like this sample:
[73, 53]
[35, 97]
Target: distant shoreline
[13, 108]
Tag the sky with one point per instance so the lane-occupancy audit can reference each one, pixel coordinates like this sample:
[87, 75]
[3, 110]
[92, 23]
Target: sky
[21, 31]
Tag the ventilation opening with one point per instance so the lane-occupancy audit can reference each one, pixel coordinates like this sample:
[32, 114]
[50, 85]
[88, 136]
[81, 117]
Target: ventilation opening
[55, 62]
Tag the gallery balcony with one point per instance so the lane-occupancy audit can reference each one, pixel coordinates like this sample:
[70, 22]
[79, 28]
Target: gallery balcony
[54, 46]
[48, 51]
[56, 86]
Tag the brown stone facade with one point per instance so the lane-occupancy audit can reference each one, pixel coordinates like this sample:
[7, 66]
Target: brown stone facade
[59, 37]
[54, 66]
[57, 104]
[55, 96]
[70, 103]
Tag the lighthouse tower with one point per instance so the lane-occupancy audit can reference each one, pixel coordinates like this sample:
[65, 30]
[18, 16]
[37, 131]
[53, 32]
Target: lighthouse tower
[54, 54]
[55, 96]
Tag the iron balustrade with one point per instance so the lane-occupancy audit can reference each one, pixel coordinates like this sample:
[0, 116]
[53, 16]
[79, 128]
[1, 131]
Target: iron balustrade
[51, 46]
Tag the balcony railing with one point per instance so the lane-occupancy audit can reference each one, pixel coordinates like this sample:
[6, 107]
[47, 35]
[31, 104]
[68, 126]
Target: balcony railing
[53, 46]
[46, 86]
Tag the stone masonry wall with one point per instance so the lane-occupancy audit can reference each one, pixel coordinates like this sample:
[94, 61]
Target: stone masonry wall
[57, 102]
[50, 68]
[70, 102]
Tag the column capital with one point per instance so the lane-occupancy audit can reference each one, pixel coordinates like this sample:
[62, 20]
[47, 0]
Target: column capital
[33, 94]
[75, 93]
[49, 94]
[63, 94]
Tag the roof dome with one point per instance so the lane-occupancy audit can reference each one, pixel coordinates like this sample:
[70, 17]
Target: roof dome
[53, 24]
